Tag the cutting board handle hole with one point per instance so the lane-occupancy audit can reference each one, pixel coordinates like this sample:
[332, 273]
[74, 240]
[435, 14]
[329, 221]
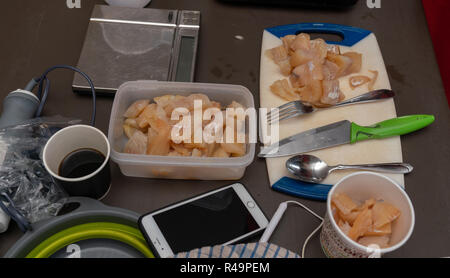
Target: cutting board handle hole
[329, 37]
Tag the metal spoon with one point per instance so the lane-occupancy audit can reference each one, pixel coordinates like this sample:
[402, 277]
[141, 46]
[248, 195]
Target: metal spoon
[312, 169]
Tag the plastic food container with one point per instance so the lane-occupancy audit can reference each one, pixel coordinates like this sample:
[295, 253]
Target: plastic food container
[172, 167]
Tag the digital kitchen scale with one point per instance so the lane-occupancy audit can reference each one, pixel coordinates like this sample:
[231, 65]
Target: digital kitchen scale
[127, 44]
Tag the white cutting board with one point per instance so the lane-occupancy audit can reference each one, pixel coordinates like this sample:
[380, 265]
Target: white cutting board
[371, 151]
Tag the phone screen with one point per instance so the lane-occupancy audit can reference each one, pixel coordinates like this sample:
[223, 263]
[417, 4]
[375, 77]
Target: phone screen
[211, 220]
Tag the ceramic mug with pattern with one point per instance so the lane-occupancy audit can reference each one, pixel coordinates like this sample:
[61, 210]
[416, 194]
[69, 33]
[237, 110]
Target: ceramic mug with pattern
[360, 187]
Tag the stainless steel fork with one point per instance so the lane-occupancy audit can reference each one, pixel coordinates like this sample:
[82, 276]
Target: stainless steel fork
[296, 108]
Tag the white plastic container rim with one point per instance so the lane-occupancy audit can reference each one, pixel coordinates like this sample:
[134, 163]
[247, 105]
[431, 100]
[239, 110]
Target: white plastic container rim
[56, 175]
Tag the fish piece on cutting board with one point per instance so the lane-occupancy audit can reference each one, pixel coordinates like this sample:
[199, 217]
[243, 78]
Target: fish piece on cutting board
[372, 151]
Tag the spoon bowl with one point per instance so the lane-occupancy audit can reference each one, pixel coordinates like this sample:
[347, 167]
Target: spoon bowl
[308, 168]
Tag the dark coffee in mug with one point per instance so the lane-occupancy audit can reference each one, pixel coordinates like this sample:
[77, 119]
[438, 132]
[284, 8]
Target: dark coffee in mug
[77, 157]
[80, 163]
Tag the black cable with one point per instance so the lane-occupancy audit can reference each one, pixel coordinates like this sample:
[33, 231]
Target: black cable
[42, 95]
[43, 92]
[12, 211]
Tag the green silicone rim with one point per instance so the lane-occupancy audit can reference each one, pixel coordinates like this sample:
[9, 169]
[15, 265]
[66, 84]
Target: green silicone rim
[126, 234]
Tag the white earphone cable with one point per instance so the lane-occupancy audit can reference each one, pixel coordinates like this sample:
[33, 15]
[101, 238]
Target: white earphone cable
[315, 230]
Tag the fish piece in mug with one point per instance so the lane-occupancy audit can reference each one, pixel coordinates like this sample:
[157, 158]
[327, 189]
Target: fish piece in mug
[349, 217]
[382, 231]
[367, 204]
[380, 241]
[384, 213]
[344, 226]
[362, 224]
[343, 203]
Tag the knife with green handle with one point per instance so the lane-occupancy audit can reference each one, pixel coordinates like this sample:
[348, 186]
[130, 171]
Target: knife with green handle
[389, 128]
[344, 132]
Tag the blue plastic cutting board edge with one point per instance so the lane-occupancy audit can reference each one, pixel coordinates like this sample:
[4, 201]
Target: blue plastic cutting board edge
[351, 36]
[297, 188]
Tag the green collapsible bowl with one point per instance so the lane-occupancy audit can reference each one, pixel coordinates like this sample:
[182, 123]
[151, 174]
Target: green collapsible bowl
[90, 230]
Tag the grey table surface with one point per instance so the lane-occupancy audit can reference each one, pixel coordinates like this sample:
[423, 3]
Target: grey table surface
[39, 34]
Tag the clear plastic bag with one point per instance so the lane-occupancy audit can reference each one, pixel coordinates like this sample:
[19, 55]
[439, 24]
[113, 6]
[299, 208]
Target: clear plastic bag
[22, 173]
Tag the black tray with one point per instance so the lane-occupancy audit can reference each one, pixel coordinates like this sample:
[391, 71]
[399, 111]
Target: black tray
[300, 3]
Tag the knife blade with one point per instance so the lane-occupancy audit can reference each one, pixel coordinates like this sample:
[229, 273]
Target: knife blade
[344, 132]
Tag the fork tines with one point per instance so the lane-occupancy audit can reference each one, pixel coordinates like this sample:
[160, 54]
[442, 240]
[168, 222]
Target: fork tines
[287, 111]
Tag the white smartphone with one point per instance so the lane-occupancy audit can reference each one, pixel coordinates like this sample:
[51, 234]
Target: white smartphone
[223, 216]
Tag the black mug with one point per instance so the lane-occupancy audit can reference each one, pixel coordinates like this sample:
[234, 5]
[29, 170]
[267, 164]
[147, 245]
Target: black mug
[76, 143]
